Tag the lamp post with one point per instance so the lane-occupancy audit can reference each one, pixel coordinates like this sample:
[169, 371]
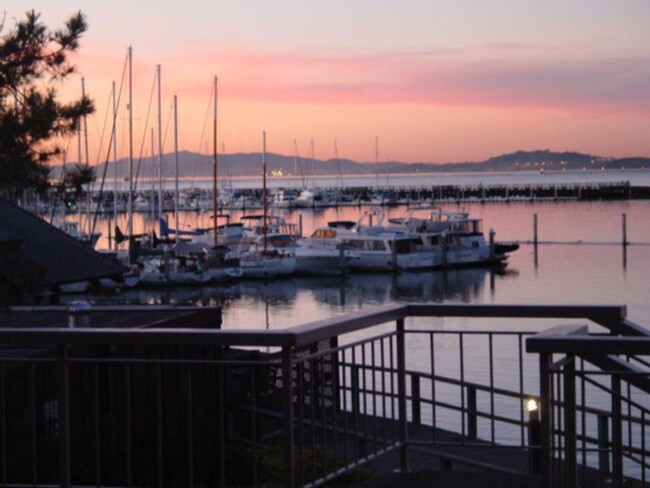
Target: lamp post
[534, 437]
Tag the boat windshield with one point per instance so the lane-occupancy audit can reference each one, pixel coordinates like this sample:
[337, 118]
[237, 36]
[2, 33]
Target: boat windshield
[324, 234]
[365, 244]
[468, 227]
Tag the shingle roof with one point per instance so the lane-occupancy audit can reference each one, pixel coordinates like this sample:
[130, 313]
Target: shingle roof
[64, 259]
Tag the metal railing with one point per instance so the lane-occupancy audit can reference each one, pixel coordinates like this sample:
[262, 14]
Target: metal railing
[294, 407]
[595, 409]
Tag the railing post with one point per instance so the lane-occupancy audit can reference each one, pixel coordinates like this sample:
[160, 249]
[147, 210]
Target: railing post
[64, 417]
[545, 386]
[287, 382]
[570, 423]
[617, 433]
[472, 417]
[603, 444]
[401, 387]
[354, 385]
[416, 408]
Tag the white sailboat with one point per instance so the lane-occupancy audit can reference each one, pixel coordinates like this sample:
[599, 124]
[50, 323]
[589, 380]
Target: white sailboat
[261, 260]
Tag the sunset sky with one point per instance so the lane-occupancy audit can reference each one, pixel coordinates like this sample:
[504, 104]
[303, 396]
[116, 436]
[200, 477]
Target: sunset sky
[434, 81]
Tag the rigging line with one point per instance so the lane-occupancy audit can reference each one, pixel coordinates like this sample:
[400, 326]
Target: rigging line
[144, 136]
[225, 159]
[205, 125]
[299, 159]
[103, 131]
[169, 118]
[101, 142]
[108, 150]
[60, 189]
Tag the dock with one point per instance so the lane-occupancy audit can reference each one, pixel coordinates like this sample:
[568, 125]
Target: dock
[201, 199]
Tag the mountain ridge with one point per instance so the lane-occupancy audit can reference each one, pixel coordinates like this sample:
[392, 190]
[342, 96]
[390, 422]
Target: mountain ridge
[250, 164]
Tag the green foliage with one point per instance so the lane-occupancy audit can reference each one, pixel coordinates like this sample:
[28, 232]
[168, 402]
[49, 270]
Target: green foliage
[33, 60]
[269, 462]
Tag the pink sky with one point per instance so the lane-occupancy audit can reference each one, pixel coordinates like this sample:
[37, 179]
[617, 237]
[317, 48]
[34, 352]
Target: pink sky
[438, 83]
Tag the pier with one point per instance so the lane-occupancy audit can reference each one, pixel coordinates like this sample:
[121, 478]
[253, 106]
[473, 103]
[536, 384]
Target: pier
[201, 199]
[331, 399]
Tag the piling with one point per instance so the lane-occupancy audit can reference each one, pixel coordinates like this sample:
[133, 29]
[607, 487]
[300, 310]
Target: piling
[535, 229]
[624, 228]
[491, 243]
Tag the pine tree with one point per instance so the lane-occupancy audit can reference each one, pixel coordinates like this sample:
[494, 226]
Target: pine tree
[33, 61]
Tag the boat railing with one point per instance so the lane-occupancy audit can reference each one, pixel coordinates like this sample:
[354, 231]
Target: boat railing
[287, 407]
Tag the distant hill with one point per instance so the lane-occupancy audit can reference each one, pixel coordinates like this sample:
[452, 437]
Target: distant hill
[193, 165]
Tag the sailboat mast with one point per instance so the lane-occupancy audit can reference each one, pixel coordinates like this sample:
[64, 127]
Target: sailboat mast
[214, 166]
[114, 141]
[377, 161]
[130, 202]
[152, 207]
[160, 172]
[176, 167]
[86, 157]
[264, 212]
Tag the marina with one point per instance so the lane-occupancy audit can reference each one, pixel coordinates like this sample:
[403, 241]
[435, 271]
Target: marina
[579, 256]
[434, 275]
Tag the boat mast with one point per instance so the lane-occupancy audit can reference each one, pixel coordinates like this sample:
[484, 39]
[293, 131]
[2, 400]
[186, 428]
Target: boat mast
[160, 172]
[86, 160]
[264, 211]
[114, 141]
[214, 166]
[176, 166]
[377, 161]
[152, 207]
[130, 202]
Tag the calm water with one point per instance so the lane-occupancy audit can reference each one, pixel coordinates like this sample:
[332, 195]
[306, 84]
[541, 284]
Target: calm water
[580, 261]
[639, 177]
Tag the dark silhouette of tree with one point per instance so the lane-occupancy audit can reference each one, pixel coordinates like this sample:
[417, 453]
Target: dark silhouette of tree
[33, 60]
[79, 176]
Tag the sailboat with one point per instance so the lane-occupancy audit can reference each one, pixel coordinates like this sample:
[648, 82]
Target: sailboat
[261, 260]
[220, 265]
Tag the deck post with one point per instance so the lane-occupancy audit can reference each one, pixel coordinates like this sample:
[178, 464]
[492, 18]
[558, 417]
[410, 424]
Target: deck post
[287, 382]
[617, 433]
[570, 423]
[472, 413]
[401, 387]
[603, 444]
[545, 409]
[416, 407]
[64, 417]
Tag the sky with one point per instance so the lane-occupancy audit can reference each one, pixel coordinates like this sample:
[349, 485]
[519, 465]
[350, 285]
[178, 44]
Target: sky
[409, 80]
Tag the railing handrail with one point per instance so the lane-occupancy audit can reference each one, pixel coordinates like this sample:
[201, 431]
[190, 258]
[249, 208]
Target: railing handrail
[588, 345]
[609, 316]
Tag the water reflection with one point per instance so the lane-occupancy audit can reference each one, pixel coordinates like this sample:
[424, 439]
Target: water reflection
[462, 285]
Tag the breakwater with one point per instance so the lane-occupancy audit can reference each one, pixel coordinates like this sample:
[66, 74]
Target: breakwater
[201, 199]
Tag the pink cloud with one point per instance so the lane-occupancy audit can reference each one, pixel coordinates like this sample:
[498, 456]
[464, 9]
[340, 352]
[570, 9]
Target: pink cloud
[432, 77]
